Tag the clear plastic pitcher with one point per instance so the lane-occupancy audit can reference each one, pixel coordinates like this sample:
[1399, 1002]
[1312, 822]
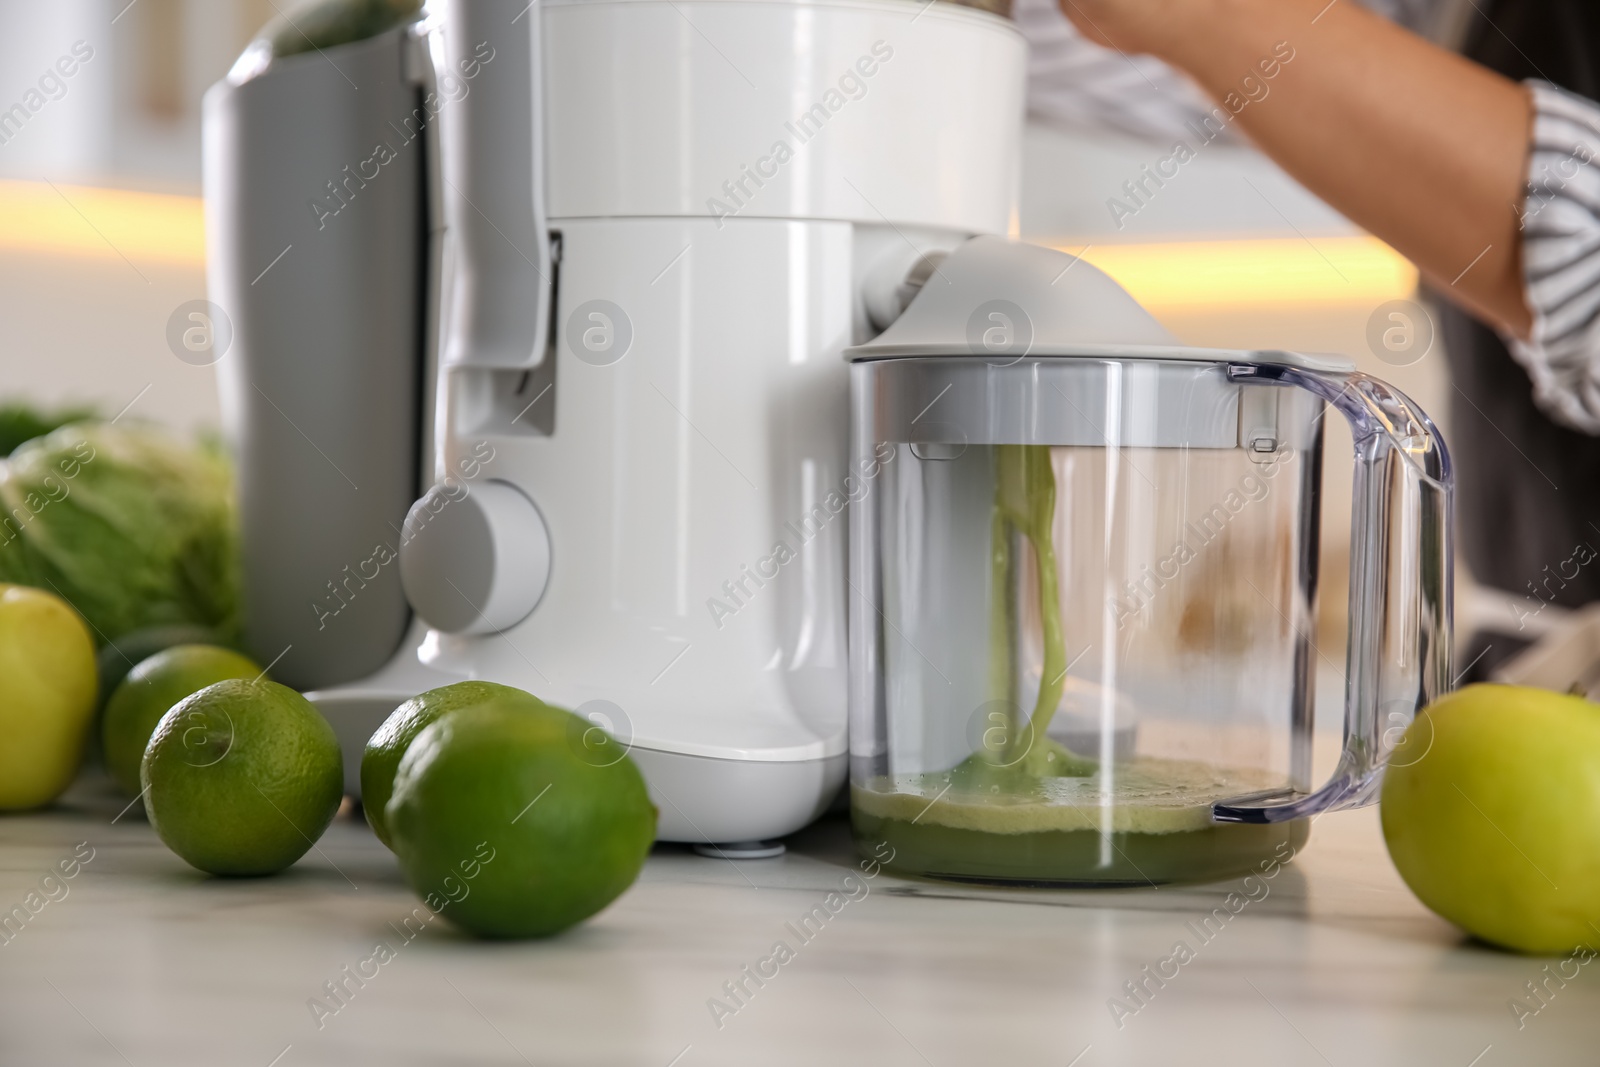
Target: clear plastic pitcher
[1083, 642]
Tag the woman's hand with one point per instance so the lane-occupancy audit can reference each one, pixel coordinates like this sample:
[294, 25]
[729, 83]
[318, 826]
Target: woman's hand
[1422, 148]
[1140, 26]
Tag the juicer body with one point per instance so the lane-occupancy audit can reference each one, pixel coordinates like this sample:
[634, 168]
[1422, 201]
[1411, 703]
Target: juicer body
[629, 409]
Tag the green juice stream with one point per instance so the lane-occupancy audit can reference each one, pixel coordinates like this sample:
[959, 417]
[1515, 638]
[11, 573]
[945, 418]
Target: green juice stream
[1024, 807]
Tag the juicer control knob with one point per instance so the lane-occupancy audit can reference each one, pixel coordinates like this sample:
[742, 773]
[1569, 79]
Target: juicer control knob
[474, 559]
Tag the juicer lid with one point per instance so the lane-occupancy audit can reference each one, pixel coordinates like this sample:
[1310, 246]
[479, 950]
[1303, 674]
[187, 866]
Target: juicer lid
[1000, 299]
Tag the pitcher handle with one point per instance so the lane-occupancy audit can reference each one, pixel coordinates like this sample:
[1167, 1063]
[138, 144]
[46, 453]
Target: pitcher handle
[1401, 586]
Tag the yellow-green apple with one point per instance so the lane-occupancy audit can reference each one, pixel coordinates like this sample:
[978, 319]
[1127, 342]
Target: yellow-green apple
[47, 695]
[1491, 810]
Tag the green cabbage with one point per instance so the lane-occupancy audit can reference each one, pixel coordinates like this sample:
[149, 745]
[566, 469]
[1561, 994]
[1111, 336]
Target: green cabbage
[21, 422]
[131, 526]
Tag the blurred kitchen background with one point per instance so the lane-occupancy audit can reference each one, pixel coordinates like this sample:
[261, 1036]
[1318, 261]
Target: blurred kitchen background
[102, 235]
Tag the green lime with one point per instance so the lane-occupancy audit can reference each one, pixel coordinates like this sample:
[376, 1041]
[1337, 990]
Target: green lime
[117, 659]
[149, 692]
[507, 828]
[242, 777]
[381, 759]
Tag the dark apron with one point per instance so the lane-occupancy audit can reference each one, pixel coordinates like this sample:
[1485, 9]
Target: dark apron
[1529, 489]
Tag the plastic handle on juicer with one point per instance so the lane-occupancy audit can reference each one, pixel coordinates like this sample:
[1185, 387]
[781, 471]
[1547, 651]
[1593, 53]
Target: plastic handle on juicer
[493, 173]
[1400, 585]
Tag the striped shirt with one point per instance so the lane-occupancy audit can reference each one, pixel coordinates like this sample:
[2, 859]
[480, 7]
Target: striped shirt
[1561, 258]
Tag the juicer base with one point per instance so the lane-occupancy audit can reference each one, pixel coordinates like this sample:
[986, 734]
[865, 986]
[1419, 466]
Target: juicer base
[713, 801]
[742, 850]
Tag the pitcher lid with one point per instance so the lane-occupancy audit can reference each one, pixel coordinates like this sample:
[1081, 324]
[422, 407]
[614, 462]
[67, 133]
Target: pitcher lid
[995, 298]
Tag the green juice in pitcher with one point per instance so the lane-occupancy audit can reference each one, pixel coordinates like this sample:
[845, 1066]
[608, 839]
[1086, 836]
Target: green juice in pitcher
[1024, 807]
[1155, 827]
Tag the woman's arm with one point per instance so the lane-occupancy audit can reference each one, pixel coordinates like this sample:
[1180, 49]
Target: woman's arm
[1424, 149]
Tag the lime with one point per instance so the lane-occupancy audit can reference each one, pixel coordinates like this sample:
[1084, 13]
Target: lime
[242, 777]
[505, 827]
[117, 659]
[381, 759]
[150, 690]
[46, 695]
[121, 655]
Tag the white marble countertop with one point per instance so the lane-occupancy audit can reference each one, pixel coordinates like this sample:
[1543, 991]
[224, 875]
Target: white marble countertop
[146, 962]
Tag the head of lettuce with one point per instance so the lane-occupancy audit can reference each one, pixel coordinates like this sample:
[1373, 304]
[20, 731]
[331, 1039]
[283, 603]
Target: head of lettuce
[133, 527]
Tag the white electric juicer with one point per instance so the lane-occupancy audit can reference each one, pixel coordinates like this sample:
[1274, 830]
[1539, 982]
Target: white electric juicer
[578, 274]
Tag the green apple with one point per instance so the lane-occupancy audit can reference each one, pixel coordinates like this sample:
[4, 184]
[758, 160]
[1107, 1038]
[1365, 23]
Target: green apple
[1491, 810]
[47, 695]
